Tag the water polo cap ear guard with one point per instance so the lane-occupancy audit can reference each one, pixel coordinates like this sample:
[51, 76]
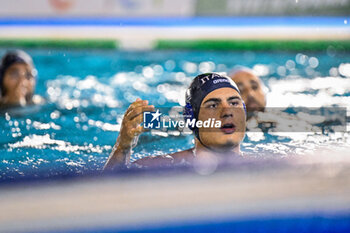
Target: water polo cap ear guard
[245, 108]
[188, 113]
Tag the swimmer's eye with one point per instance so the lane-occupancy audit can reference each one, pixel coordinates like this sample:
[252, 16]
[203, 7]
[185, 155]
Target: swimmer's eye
[17, 74]
[212, 106]
[29, 75]
[255, 87]
[234, 103]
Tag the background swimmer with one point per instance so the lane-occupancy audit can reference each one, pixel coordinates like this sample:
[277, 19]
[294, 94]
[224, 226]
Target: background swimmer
[254, 95]
[253, 92]
[251, 88]
[17, 80]
[205, 98]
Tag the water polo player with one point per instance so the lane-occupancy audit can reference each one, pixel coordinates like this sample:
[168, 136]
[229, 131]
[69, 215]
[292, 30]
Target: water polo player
[17, 79]
[210, 96]
[251, 88]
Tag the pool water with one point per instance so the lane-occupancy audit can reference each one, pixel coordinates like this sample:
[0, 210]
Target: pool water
[88, 91]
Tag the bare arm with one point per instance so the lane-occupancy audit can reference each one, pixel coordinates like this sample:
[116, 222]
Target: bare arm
[129, 132]
[181, 157]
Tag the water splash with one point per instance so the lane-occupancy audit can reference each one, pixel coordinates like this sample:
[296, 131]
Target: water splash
[77, 128]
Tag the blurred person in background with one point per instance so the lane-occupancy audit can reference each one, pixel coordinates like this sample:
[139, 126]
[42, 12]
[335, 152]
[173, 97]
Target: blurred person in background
[251, 88]
[210, 96]
[253, 92]
[17, 80]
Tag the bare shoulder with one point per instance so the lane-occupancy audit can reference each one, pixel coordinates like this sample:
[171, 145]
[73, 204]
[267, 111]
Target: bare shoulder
[176, 158]
[185, 155]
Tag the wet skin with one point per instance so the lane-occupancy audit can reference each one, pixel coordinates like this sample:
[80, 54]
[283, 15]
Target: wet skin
[18, 83]
[251, 90]
[224, 104]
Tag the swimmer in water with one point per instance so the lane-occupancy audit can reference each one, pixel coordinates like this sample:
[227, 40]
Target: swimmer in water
[210, 95]
[252, 90]
[17, 80]
[260, 119]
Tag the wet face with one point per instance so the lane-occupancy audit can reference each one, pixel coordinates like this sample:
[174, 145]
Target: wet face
[18, 83]
[224, 104]
[251, 90]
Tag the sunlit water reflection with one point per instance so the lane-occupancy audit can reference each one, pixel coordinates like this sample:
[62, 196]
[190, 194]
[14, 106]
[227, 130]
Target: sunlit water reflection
[87, 93]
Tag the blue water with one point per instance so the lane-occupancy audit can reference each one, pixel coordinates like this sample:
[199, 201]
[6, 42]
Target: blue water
[88, 91]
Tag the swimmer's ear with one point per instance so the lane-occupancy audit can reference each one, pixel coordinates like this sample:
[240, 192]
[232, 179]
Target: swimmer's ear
[188, 112]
